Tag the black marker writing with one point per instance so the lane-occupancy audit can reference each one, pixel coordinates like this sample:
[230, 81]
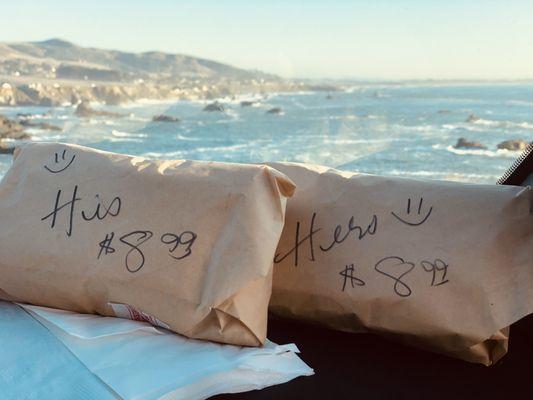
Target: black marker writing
[186, 238]
[438, 268]
[60, 163]
[135, 257]
[299, 242]
[412, 219]
[113, 209]
[390, 267]
[57, 208]
[348, 274]
[105, 245]
[339, 236]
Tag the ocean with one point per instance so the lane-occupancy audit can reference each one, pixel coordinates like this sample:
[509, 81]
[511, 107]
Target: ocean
[401, 130]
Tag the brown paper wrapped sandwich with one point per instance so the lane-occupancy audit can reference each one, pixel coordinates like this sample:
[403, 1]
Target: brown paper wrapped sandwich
[444, 266]
[181, 244]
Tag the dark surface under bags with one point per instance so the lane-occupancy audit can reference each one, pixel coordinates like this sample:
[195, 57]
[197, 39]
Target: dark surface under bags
[365, 366]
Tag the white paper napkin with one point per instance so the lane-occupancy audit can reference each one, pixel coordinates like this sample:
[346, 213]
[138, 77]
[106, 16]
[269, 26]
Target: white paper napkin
[138, 361]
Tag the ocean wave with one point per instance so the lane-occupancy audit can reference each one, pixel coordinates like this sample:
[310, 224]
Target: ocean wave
[446, 175]
[122, 140]
[519, 103]
[148, 102]
[188, 138]
[503, 124]
[36, 131]
[34, 116]
[482, 152]
[328, 140]
[230, 148]
[479, 124]
[342, 117]
[488, 122]
[133, 117]
[122, 134]
[164, 155]
[47, 138]
[450, 126]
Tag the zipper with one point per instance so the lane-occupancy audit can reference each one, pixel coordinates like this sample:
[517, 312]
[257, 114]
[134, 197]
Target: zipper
[520, 169]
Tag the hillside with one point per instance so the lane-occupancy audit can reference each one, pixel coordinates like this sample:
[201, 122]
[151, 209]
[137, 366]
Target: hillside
[59, 59]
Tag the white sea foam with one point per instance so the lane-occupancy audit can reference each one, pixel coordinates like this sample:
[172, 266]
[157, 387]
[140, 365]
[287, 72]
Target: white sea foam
[450, 126]
[47, 138]
[328, 140]
[482, 152]
[120, 140]
[148, 102]
[446, 175]
[487, 122]
[503, 124]
[230, 148]
[520, 103]
[36, 116]
[133, 117]
[188, 138]
[122, 134]
[165, 155]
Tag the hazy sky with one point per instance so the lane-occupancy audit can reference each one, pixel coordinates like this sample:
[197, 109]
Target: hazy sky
[376, 39]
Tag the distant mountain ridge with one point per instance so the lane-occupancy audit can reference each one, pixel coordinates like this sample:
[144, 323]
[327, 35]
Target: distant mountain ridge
[60, 59]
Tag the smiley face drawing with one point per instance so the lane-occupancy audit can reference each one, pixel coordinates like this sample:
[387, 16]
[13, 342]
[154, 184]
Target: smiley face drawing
[412, 218]
[60, 162]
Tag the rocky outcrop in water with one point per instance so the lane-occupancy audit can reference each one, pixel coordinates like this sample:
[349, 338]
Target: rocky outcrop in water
[5, 149]
[164, 118]
[247, 103]
[215, 107]
[463, 143]
[275, 110]
[10, 129]
[513, 145]
[472, 118]
[39, 125]
[84, 110]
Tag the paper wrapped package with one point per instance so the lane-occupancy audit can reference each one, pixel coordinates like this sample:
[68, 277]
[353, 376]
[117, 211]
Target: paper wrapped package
[184, 245]
[441, 265]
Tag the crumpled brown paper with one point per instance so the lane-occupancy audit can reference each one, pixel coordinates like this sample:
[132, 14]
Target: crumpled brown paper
[181, 244]
[444, 266]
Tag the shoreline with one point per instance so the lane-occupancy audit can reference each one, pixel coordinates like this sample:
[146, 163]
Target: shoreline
[49, 93]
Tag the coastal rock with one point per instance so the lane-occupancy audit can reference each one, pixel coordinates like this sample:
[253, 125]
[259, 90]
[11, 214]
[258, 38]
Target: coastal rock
[165, 118]
[463, 143]
[513, 145]
[5, 149]
[36, 94]
[7, 95]
[84, 110]
[75, 99]
[39, 125]
[247, 103]
[472, 118]
[275, 110]
[10, 129]
[215, 106]
[111, 95]
[329, 97]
